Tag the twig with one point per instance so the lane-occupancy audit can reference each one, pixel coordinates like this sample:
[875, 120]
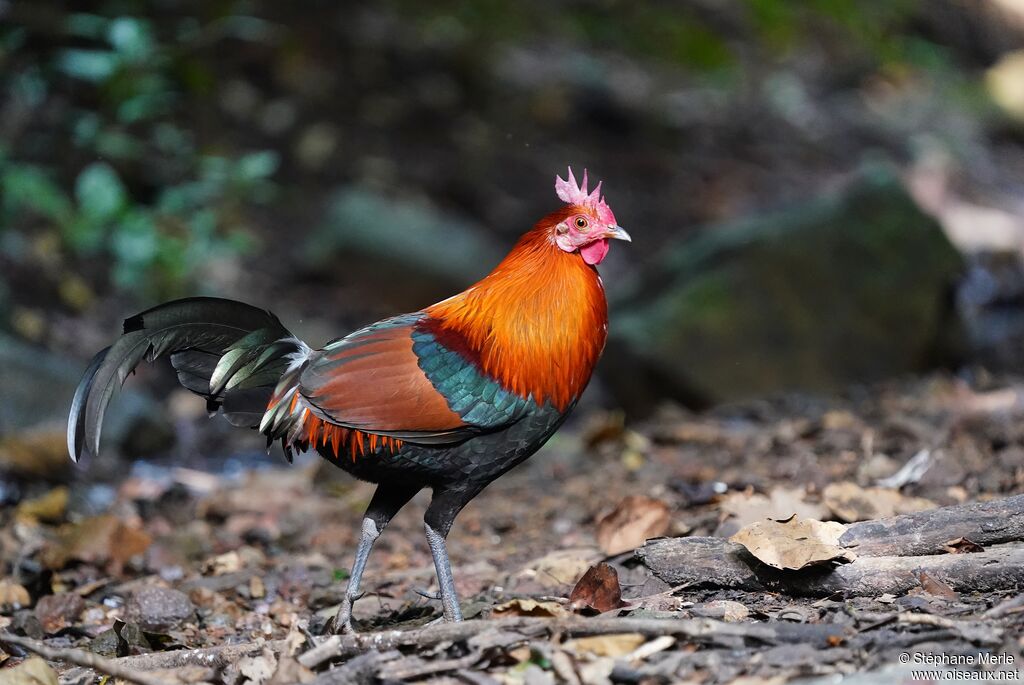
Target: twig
[1013, 605]
[79, 657]
[360, 669]
[397, 672]
[211, 657]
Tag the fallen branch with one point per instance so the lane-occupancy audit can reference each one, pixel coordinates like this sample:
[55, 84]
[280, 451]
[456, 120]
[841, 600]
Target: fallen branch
[698, 630]
[79, 657]
[715, 562]
[927, 532]
[891, 554]
[360, 669]
[210, 657]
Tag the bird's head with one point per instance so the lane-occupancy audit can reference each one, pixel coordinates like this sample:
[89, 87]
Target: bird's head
[588, 223]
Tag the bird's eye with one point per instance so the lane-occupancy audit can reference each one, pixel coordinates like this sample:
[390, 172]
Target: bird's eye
[581, 223]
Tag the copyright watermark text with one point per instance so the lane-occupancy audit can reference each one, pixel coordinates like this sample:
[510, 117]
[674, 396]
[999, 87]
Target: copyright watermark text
[978, 667]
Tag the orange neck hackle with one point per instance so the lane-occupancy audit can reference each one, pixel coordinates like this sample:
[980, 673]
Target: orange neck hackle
[537, 323]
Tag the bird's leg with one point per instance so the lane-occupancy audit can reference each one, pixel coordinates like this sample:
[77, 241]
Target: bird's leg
[342, 622]
[445, 581]
[386, 502]
[444, 507]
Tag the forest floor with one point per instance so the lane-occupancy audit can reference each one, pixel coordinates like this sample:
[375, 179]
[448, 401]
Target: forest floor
[163, 558]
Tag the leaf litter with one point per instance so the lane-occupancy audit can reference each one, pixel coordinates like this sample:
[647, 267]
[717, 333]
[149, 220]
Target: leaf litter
[189, 557]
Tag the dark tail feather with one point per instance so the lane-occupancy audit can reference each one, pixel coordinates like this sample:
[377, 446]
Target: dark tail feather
[198, 334]
[76, 422]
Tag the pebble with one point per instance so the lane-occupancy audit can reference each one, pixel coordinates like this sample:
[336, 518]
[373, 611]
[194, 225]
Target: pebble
[158, 609]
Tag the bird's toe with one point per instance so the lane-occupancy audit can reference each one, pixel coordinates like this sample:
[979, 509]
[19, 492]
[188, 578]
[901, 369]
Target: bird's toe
[340, 627]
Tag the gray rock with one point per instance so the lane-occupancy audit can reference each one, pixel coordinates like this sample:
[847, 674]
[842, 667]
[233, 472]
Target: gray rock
[25, 369]
[158, 609]
[407, 252]
[37, 390]
[849, 288]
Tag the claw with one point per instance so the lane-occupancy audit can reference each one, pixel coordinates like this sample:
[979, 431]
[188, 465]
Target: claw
[427, 594]
[341, 625]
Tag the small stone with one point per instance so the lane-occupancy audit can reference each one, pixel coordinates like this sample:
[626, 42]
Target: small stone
[728, 611]
[159, 609]
[57, 612]
[105, 644]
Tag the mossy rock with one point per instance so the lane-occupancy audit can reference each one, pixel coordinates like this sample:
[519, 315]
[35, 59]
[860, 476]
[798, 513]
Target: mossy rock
[850, 288]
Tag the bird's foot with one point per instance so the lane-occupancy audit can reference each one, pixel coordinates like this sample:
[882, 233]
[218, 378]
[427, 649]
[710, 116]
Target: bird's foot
[341, 624]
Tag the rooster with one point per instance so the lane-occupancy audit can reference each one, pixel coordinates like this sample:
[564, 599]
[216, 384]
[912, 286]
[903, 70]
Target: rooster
[448, 398]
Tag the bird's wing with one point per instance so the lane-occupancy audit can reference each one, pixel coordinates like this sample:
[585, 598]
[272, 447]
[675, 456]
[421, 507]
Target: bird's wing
[394, 379]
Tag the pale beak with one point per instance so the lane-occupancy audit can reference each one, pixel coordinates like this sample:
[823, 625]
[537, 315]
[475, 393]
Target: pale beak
[618, 233]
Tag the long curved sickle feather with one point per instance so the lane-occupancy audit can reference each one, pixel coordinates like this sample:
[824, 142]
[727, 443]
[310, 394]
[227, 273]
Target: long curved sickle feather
[76, 419]
[204, 324]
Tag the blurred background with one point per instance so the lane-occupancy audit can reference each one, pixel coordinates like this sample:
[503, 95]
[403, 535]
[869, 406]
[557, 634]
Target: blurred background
[822, 194]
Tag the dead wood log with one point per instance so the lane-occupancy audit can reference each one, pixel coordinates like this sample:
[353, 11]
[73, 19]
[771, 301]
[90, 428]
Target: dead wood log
[716, 562]
[927, 532]
[891, 553]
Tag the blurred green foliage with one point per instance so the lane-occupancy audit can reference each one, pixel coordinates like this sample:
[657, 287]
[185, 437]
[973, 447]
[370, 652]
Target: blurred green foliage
[703, 37]
[112, 136]
[142, 197]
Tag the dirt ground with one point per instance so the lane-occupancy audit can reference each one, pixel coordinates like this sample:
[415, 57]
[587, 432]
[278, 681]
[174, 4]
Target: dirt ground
[163, 557]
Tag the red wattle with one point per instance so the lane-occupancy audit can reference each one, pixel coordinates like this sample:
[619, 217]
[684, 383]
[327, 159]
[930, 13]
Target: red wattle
[595, 252]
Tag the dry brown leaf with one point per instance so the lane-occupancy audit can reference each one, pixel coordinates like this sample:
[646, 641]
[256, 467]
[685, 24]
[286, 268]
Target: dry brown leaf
[39, 452]
[258, 669]
[230, 562]
[96, 540]
[561, 568]
[13, 595]
[598, 590]
[933, 586]
[779, 504]
[529, 607]
[49, 508]
[34, 671]
[289, 671]
[963, 546]
[615, 645]
[634, 521]
[850, 502]
[604, 427]
[794, 544]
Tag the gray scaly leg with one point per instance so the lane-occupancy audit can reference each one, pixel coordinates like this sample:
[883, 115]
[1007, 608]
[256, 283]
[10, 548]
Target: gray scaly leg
[444, 507]
[342, 622]
[386, 502]
[445, 581]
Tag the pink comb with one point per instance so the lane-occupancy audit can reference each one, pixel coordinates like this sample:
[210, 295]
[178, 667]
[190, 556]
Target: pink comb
[573, 194]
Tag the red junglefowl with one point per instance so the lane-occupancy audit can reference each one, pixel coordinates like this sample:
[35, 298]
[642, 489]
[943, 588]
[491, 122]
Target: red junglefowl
[447, 398]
